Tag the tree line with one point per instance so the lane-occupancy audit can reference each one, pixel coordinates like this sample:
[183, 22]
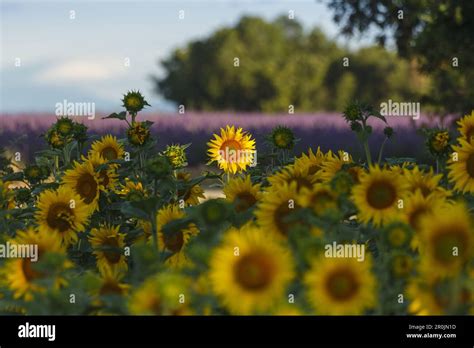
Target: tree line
[268, 66]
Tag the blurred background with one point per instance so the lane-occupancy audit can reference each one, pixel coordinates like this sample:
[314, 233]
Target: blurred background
[245, 62]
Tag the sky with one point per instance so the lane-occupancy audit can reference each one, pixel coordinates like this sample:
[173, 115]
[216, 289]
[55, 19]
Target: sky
[76, 50]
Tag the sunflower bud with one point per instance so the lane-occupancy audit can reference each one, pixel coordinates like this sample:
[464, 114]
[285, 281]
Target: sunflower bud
[65, 126]
[54, 139]
[282, 138]
[353, 112]
[176, 155]
[439, 141]
[159, 166]
[134, 102]
[214, 212]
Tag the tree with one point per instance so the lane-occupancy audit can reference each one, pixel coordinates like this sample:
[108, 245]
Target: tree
[437, 33]
[267, 66]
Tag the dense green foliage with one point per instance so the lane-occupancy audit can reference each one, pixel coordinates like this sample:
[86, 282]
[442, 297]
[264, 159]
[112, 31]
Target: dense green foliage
[433, 32]
[280, 64]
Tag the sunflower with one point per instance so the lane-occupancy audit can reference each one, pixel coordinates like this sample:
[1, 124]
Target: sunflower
[21, 275]
[466, 127]
[108, 247]
[321, 199]
[401, 264]
[191, 195]
[138, 133]
[438, 142]
[134, 101]
[287, 309]
[110, 284]
[63, 212]
[174, 241]
[446, 239]
[163, 294]
[311, 161]
[107, 175]
[342, 183]
[426, 182]
[398, 169]
[282, 138]
[250, 271]
[417, 206]
[55, 139]
[176, 155]
[242, 193]
[275, 208]
[133, 191]
[108, 147]
[334, 163]
[234, 150]
[461, 172]
[377, 195]
[65, 126]
[397, 235]
[340, 286]
[213, 212]
[437, 296]
[85, 181]
[292, 173]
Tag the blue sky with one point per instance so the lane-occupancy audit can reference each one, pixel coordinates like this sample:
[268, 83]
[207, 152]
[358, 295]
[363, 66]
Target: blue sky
[82, 59]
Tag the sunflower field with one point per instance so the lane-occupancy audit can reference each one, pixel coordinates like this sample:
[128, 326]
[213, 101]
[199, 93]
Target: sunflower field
[123, 227]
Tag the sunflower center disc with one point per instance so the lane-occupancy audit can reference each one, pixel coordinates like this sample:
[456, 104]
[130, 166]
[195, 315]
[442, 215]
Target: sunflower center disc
[244, 201]
[28, 271]
[59, 217]
[414, 218]
[445, 243]
[113, 256]
[470, 165]
[231, 151]
[342, 285]
[109, 153]
[381, 195]
[254, 272]
[87, 188]
[174, 242]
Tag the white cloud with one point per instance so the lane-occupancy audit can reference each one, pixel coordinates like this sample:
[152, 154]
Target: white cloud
[81, 70]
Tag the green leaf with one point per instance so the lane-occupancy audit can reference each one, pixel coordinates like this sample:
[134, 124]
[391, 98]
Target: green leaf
[18, 176]
[120, 116]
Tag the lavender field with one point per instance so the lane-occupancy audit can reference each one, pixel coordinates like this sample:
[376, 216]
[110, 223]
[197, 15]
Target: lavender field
[22, 132]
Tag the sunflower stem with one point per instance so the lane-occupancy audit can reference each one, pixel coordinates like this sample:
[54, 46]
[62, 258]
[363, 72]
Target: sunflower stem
[367, 153]
[56, 165]
[381, 151]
